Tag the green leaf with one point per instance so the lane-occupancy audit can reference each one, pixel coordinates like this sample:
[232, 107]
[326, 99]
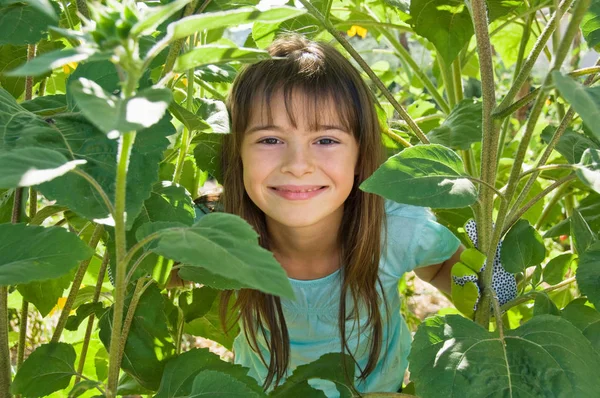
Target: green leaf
[207, 153]
[217, 53]
[589, 207]
[556, 268]
[74, 136]
[23, 24]
[546, 356]
[588, 273]
[210, 383]
[464, 289]
[327, 367]
[216, 73]
[522, 248]
[32, 166]
[83, 386]
[571, 144]
[201, 275]
[214, 20]
[103, 73]
[590, 25]
[423, 175]
[585, 319]
[83, 312]
[47, 62]
[47, 369]
[40, 5]
[461, 128]
[588, 169]
[227, 246]
[196, 303]
[46, 105]
[45, 294]
[215, 113]
[149, 343]
[155, 16]
[31, 253]
[446, 23]
[209, 327]
[544, 305]
[584, 100]
[180, 372]
[113, 115]
[189, 119]
[582, 235]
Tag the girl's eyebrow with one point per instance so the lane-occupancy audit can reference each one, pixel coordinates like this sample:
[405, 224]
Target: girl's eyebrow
[273, 127]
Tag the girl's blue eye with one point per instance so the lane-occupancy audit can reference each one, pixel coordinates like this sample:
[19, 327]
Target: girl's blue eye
[326, 141]
[269, 141]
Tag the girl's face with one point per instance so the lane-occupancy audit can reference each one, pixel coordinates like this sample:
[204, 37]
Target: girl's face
[298, 177]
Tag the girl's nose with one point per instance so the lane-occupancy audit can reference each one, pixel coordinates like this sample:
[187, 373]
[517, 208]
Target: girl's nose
[297, 160]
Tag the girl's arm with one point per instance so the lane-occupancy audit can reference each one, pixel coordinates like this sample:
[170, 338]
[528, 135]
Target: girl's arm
[439, 274]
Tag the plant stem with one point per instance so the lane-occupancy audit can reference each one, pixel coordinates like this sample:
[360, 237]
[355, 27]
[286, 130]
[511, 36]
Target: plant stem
[22, 332]
[513, 218]
[419, 73]
[185, 137]
[534, 54]
[204, 85]
[446, 71]
[550, 205]
[177, 45]
[386, 93]
[489, 150]
[396, 137]
[125, 145]
[531, 295]
[456, 72]
[64, 315]
[422, 119]
[90, 325]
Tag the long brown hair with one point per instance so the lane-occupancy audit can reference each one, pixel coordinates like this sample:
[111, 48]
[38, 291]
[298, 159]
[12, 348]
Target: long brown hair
[320, 73]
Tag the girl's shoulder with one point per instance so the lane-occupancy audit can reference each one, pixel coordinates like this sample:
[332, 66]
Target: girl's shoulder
[401, 210]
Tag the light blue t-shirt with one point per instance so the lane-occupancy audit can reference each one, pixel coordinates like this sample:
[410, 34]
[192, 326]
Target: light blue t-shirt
[414, 239]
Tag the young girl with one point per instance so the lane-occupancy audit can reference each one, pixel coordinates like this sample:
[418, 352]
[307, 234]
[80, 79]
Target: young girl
[305, 134]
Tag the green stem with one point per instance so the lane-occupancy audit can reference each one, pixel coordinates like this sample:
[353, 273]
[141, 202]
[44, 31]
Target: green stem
[90, 324]
[534, 54]
[185, 137]
[531, 295]
[5, 378]
[386, 93]
[488, 148]
[210, 89]
[550, 205]
[64, 315]
[125, 145]
[418, 120]
[418, 71]
[180, 326]
[456, 73]
[516, 215]
[397, 137]
[448, 80]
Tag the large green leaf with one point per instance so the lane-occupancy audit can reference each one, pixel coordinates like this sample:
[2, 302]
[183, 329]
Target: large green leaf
[207, 153]
[113, 115]
[545, 357]
[155, 16]
[49, 368]
[187, 118]
[22, 24]
[215, 113]
[585, 100]
[149, 343]
[590, 25]
[327, 367]
[41, 5]
[461, 128]
[180, 372]
[571, 144]
[227, 246]
[196, 303]
[201, 275]
[32, 166]
[45, 294]
[214, 20]
[210, 383]
[47, 62]
[75, 137]
[581, 232]
[423, 175]
[585, 319]
[522, 248]
[217, 53]
[588, 169]
[588, 273]
[32, 253]
[556, 268]
[103, 73]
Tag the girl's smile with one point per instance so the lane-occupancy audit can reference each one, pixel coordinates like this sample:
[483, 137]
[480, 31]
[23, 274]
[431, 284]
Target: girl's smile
[299, 175]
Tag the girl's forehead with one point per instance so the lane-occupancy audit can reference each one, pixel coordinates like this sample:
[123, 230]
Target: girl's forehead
[298, 109]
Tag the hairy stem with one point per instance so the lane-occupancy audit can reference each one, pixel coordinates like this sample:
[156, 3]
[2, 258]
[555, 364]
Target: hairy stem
[64, 315]
[448, 78]
[456, 73]
[386, 93]
[531, 295]
[550, 205]
[185, 137]
[90, 324]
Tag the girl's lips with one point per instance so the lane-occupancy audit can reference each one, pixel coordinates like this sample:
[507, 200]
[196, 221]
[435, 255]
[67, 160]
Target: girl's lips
[298, 192]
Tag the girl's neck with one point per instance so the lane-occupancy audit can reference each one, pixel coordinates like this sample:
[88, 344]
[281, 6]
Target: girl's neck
[306, 253]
